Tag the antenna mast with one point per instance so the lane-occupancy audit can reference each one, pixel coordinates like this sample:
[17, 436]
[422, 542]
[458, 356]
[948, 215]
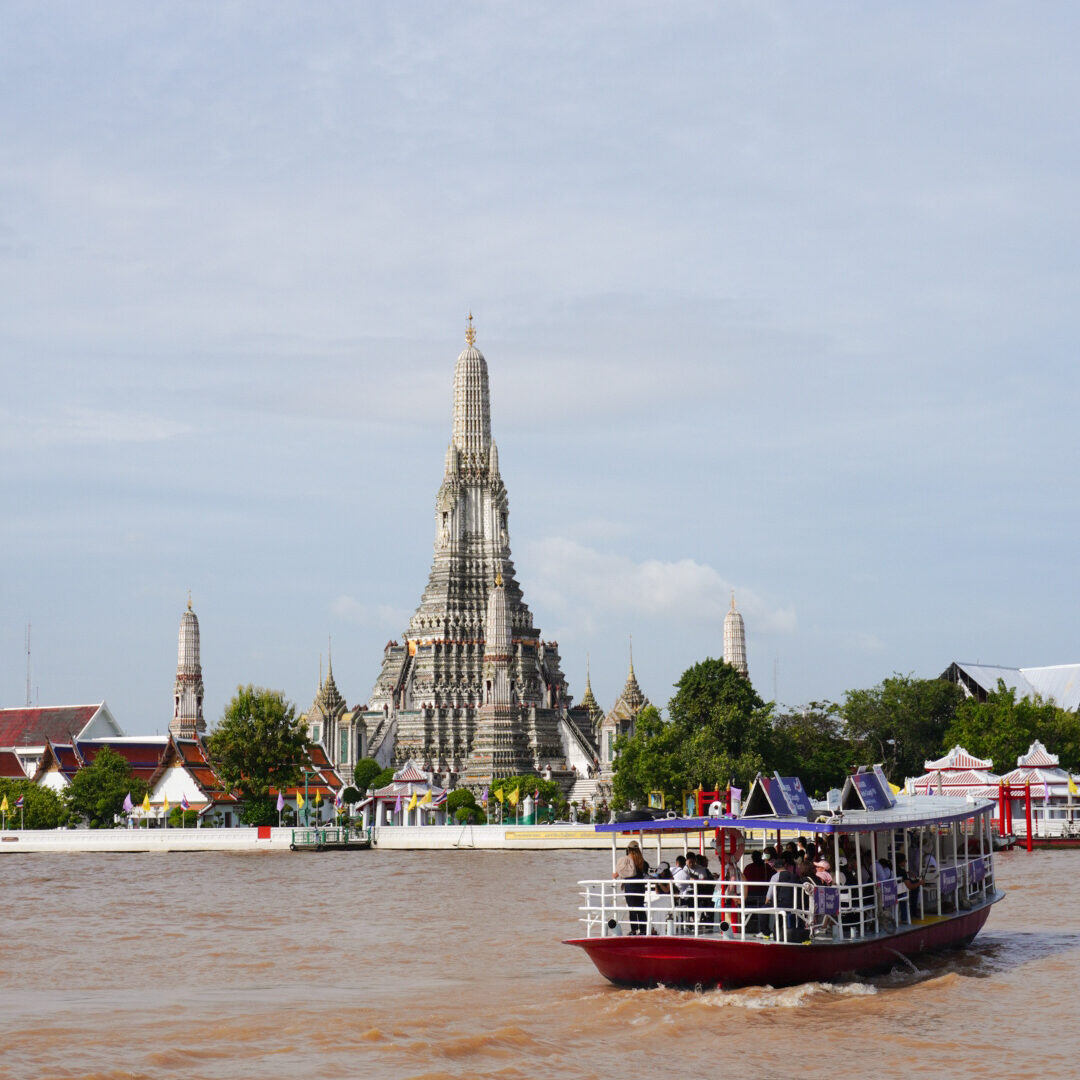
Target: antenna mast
[28, 702]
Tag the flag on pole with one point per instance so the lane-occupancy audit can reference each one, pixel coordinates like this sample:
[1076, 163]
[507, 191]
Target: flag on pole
[412, 801]
[318, 798]
[146, 803]
[280, 802]
[129, 806]
[397, 805]
[512, 798]
[484, 796]
[426, 800]
[185, 805]
[1072, 786]
[499, 794]
[4, 806]
[299, 800]
[19, 803]
[165, 804]
[536, 795]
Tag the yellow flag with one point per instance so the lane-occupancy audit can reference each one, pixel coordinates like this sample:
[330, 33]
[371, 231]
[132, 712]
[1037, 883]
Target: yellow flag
[146, 803]
[165, 804]
[499, 794]
[512, 798]
[412, 802]
[4, 806]
[894, 788]
[299, 801]
[318, 798]
[1072, 786]
[426, 800]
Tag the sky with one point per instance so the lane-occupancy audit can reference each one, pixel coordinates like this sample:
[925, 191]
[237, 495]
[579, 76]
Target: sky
[775, 298]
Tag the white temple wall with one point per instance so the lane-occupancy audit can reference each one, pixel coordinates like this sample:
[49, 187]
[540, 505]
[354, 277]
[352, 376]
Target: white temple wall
[174, 785]
[102, 725]
[55, 781]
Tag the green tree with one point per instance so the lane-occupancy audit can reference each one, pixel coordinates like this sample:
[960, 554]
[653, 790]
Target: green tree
[809, 743]
[42, 807]
[382, 779]
[179, 818]
[719, 730]
[258, 744]
[96, 793]
[1002, 727]
[460, 798]
[526, 784]
[365, 772]
[900, 723]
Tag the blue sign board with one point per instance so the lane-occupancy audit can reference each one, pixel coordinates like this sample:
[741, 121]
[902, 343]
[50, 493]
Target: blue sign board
[778, 796]
[796, 795]
[947, 880]
[978, 870]
[888, 893]
[873, 798]
[827, 900]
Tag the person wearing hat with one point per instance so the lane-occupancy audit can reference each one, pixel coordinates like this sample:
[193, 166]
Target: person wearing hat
[631, 870]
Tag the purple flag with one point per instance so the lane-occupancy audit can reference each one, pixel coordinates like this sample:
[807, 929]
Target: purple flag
[129, 806]
[397, 805]
[280, 802]
[484, 795]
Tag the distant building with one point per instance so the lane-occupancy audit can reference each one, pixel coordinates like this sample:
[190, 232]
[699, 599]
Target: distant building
[1059, 683]
[26, 731]
[187, 720]
[342, 731]
[427, 701]
[735, 640]
[621, 720]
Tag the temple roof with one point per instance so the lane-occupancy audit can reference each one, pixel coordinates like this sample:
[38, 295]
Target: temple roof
[1038, 757]
[958, 758]
[32, 726]
[144, 755]
[10, 766]
[59, 757]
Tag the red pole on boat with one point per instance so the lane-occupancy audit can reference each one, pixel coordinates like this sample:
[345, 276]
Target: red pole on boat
[1027, 810]
[1001, 809]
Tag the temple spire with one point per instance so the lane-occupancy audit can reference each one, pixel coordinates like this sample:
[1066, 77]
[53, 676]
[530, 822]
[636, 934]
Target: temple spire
[187, 719]
[735, 639]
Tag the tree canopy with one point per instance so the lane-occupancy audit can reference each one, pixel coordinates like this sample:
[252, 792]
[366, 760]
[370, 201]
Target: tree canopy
[364, 772]
[900, 723]
[259, 743]
[719, 730]
[42, 807]
[97, 792]
[809, 743]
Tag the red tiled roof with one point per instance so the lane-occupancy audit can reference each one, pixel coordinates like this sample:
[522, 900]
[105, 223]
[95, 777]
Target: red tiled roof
[31, 727]
[10, 767]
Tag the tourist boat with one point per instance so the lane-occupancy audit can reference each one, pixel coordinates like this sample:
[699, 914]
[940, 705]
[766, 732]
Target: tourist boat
[724, 933]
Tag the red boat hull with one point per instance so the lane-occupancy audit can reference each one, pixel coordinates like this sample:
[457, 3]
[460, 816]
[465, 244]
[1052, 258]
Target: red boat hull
[708, 961]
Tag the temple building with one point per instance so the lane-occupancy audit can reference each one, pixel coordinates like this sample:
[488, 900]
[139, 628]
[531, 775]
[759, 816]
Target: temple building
[735, 640]
[330, 722]
[429, 700]
[621, 720]
[187, 720]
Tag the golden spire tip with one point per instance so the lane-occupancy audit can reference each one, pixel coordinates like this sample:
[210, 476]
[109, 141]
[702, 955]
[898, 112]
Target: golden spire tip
[470, 332]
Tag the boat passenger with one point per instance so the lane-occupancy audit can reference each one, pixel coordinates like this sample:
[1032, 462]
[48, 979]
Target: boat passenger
[631, 868]
[757, 873]
[910, 884]
[698, 867]
[781, 894]
[660, 900]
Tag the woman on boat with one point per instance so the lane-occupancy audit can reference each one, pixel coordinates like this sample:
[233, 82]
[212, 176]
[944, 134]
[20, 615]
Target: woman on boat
[631, 869]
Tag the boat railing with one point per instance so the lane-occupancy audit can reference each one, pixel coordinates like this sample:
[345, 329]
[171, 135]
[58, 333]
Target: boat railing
[787, 912]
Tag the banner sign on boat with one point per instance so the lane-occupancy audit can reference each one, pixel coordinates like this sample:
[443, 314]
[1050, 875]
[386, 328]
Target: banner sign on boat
[778, 796]
[978, 871]
[883, 782]
[827, 900]
[947, 880]
[862, 791]
[795, 794]
[888, 893]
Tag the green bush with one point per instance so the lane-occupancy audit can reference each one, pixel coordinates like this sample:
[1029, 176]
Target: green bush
[42, 807]
[470, 815]
[183, 819]
[462, 798]
[365, 772]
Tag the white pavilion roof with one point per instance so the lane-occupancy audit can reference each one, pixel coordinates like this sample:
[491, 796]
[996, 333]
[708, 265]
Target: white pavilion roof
[1038, 757]
[958, 758]
[1059, 682]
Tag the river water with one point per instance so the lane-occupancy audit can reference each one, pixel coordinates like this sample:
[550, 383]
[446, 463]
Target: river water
[449, 964]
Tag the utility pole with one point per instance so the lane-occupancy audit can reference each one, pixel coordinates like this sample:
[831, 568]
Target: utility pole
[28, 702]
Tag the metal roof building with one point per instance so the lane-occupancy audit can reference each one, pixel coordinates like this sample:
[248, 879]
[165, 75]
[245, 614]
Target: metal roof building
[1059, 683]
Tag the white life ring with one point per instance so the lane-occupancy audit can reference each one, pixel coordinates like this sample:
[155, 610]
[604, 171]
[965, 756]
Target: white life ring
[716, 809]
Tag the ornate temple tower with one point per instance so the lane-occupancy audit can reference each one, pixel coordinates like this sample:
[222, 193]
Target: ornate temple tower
[187, 721]
[594, 714]
[735, 640]
[620, 721]
[433, 684]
